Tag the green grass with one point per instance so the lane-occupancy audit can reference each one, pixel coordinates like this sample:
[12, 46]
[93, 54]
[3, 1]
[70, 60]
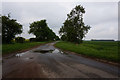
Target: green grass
[10, 48]
[97, 49]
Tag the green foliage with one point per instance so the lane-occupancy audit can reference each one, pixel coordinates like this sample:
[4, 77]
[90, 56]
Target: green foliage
[97, 49]
[57, 38]
[10, 48]
[32, 39]
[64, 37]
[42, 31]
[10, 28]
[19, 39]
[74, 28]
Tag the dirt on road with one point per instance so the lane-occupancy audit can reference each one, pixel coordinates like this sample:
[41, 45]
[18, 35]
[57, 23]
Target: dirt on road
[47, 61]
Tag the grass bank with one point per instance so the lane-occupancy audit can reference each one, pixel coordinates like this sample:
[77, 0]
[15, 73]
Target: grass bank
[97, 49]
[11, 48]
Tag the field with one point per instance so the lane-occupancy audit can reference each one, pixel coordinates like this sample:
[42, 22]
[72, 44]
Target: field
[97, 49]
[10, 48]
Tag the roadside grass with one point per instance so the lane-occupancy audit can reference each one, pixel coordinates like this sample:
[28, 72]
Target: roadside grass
[10, 48]
[98, 49]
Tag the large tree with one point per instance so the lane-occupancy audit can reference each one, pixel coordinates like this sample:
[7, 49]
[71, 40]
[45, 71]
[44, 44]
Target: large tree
[74, 28]
[10, 28]
[42, 31]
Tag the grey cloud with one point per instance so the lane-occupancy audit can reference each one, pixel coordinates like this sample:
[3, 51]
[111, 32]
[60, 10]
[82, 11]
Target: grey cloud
[102, 17]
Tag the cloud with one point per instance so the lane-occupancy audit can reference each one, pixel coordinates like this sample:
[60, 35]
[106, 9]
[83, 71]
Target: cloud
[103, 31]
[101, 16]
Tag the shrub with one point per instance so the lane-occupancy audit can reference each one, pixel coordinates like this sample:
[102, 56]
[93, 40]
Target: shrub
[32, 39]
[19, 39]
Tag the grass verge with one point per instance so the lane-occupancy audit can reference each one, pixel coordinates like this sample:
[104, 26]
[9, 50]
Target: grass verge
[11, 48]
[96, 49]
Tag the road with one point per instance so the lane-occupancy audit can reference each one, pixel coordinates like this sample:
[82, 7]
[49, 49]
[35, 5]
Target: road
[47, 61]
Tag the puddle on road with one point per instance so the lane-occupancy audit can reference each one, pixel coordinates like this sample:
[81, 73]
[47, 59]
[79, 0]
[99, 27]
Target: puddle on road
[15, 55]
[43, 51]
[29, 58]
[55, 51]
[20, 54]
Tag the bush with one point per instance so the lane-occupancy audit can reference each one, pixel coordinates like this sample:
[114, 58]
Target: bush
[19, 39]
[32, 39]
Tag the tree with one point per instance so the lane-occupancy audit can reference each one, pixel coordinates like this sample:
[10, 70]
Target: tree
[57, 38]
[10, 28]
[63, 37]
[41, 31]
[74, 28]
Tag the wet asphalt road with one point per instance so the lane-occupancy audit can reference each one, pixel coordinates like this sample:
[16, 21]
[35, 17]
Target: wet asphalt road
[47, 61]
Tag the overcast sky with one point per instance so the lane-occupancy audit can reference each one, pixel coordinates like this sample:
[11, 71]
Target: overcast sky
[101, 16]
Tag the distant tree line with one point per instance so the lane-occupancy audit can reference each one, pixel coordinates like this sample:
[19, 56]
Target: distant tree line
[11, 28]
[101, 40]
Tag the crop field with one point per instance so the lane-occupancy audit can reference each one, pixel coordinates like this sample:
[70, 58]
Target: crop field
[98, 49]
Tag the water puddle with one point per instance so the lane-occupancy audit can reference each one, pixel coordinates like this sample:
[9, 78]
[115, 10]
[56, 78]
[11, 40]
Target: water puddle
[20, 54]
[44, 51]
[29, 58]
[55, 51]
[16, 55]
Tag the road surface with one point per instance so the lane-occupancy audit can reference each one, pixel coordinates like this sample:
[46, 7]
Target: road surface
[47, 61]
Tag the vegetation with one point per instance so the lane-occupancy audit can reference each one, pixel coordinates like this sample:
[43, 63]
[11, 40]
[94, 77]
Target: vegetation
[74, 28]
[19, 39]
[104, 50]
[10, 48]
[10, 28]
[32, 39]
[42, 31]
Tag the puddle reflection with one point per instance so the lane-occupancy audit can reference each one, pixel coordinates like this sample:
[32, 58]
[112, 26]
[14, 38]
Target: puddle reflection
[44, 51]
[20, 54]
[55, 51]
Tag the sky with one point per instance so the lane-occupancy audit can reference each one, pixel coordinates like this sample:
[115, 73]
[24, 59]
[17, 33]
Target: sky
[101, 16]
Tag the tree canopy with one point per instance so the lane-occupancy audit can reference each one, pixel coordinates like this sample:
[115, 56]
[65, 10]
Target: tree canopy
[42, 31]
[74, 28]
[10, 28]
